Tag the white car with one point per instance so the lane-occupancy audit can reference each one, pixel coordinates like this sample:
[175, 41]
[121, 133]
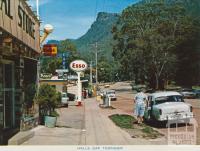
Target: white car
[65, 99]
[111, 94]
[164, 106]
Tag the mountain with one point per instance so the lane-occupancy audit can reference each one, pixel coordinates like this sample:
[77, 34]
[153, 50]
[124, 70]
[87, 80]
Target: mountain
[100, 32]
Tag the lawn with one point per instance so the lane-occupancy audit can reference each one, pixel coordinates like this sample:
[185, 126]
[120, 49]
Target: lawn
[135, 130]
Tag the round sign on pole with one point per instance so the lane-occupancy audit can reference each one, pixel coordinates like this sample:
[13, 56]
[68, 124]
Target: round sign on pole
[78, 65]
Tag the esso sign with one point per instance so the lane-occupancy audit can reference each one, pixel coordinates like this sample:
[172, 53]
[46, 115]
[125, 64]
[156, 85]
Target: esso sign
[78, 65]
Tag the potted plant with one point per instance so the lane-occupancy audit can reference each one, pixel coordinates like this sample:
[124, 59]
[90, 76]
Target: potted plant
[48, 99]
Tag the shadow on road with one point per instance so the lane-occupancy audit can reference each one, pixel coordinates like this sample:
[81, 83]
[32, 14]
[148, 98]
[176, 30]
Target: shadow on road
[158, 125]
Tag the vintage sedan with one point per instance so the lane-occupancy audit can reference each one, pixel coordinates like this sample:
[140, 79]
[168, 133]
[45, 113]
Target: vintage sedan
[164, 106]
[188, 93]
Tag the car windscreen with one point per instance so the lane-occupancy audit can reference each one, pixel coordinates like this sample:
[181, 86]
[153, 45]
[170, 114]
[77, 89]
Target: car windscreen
[164, 99]
[64, 95]
[111, 92]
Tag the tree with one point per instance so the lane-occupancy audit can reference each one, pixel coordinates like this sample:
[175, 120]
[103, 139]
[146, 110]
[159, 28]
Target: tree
[68, 47]
[48, 98]
[147, 36]
[50, 64]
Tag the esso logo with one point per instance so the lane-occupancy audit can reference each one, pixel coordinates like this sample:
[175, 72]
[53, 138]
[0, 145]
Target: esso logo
[78, 65]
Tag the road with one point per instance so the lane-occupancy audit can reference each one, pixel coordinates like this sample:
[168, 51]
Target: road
[125, 103]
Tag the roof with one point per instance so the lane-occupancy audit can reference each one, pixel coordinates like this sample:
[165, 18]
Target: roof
[164, 93]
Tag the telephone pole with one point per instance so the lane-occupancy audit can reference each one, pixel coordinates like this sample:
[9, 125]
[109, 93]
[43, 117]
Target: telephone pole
[91, 72]
[96, 54]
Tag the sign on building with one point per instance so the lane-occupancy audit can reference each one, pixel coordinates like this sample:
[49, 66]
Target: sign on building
[17, 18]
[50, 50]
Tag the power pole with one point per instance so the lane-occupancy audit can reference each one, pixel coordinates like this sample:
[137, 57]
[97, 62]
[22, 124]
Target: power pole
[96, 54]
[91, 72]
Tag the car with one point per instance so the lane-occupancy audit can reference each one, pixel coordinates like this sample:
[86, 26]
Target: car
[106, 86]
[64, 99]
[111, 94]
[188, 93]
[139, 87]
[197, 93]
[166, 105]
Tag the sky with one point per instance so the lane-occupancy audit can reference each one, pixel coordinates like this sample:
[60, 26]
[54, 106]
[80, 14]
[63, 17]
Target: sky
[72, 18]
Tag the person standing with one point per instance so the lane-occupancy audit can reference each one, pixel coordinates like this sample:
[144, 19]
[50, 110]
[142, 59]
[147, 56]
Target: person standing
[140, 103]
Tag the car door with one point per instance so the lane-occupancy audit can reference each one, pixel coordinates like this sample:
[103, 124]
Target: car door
[147, 112]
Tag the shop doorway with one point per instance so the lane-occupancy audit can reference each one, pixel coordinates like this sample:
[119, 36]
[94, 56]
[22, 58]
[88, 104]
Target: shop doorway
[6, 94]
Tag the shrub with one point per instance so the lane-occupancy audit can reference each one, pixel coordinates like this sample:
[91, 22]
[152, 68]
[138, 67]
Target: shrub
[48, 98]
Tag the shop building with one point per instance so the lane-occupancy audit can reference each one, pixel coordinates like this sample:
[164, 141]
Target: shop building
[19, 50]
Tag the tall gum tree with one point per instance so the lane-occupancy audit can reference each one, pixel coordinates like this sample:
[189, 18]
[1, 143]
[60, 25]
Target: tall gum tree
[148, 34]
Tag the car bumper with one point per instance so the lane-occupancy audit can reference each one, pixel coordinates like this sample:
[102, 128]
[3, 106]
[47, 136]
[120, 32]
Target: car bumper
[176, 116]
[113, 98]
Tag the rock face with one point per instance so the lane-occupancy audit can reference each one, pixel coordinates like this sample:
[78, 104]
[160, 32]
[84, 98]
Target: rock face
[99, 32]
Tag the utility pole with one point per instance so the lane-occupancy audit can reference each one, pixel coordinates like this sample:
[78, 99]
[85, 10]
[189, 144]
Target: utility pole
[96, 54]
[91, 72]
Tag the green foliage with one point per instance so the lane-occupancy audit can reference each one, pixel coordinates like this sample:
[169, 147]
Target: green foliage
[54, 114]
[152, 39]
[123, 121]
[50, 64]
[107, 70]
[48, 97]
[100, 32]
[126, 122]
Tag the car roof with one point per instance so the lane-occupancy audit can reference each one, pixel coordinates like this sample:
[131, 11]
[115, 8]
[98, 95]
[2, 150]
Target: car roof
[110, 90]
[164, 93]
[186, 89]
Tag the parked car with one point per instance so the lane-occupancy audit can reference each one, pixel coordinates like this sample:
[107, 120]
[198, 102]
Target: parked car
[197, 93]
[65, 99]
[188, 93]
[111, 94]
[139, 87]
[164, 106]
[106, 86]
[71, 96]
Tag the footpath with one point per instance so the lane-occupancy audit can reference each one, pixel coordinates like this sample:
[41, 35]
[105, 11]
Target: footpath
[86, 125]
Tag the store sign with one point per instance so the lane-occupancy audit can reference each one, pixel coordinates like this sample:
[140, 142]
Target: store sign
[50, 50]
[17, 18]
[78, 65]
[45, 75]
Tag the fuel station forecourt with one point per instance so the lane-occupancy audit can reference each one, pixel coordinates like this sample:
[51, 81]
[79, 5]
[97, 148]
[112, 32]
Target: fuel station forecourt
[79, 66]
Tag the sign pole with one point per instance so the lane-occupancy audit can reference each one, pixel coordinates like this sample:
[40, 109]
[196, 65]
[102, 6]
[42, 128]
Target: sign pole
[79, 89]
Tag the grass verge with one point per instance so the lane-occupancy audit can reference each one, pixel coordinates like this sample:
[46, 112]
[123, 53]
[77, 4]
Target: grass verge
[123, 121]
[142, 130]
